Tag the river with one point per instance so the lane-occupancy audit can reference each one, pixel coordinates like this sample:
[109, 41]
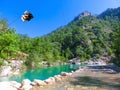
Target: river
[42, 73]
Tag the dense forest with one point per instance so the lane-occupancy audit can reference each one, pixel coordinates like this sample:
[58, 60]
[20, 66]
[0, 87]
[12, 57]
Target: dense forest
[87, 36]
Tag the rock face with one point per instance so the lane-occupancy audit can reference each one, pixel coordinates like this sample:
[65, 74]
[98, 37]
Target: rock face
[84, 14]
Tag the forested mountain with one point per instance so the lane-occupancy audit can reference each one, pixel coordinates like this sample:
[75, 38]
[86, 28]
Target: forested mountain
[85, 37]
[111, 13]
[112, 16]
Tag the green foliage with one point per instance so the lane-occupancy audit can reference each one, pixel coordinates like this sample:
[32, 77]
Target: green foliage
[32, 61]
[8, 41]
[116, 46]
[1, 62]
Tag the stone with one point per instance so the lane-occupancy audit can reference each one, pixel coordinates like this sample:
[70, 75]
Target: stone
[33, 84]
[26, 84]
[15, 84]
[6, 86]
[63, 74]
[5, 70]
[50, 80]
[26, 81]
[17, 72]
[39, 82]
[26, 87]
[57, 78]
[69, 74]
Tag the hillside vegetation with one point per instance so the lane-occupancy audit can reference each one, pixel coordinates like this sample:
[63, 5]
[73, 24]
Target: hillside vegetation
[85, 37]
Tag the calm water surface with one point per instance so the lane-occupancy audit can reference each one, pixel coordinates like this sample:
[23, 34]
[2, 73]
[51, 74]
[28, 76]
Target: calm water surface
[42, 73]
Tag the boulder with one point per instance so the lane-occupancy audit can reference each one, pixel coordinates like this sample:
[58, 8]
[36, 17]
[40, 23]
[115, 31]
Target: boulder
[17, 72]
[26, 84]
[69, 74]
[26, 87]
[60, 76]
[40, 82]
[15, 84]
[53, 79]
[57, 78]
[50, 80]
[33, 84]
[26, 81]
[65, 74]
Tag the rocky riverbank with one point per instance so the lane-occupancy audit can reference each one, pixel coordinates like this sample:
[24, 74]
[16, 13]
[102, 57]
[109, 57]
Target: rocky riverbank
[102, 77]
[26, 84]
[96, 76]
[10, 68]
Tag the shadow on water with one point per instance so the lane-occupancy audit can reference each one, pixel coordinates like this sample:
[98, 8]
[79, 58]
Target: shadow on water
[97, 82]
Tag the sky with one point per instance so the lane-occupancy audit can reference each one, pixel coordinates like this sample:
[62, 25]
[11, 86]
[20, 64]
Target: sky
[49, 14]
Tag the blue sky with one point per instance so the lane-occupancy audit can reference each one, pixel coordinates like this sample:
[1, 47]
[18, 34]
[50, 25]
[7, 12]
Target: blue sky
[49, 14]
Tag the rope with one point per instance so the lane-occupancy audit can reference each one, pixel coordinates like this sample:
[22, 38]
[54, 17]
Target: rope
[13, 21]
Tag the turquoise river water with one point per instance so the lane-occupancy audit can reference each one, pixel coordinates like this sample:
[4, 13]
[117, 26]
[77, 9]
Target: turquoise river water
[42, 73]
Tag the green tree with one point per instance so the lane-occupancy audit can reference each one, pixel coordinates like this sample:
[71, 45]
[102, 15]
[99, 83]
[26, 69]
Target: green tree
[116, 46]
[8, 43]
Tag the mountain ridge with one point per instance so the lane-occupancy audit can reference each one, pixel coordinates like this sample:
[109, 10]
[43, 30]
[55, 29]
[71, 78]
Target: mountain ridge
[86, 28]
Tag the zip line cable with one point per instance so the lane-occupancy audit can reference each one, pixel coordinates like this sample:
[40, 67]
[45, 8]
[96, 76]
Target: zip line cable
[13, 21]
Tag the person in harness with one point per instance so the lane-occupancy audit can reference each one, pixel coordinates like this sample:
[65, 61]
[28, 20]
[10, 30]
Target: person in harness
[27, 16]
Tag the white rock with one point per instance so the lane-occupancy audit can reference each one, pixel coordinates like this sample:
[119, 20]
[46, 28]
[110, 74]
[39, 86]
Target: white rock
[6, 86]
[39, 82]
[17, 72]
[65, 74]
[33, 83]
[69, 74]
[15, 84]
[5, 70]
[26, 87]
[60, 77]
[53, 79]
[50, 80]
[57, 78]
[26, 84]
